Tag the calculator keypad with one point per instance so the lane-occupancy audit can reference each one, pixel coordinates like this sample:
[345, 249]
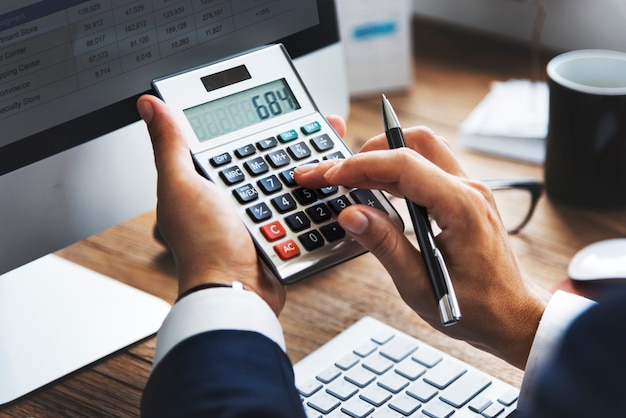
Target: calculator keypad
[287, 221]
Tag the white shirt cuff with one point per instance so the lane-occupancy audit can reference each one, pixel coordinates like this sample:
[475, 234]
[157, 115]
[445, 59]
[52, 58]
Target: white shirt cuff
[561, 311]
[217, 309]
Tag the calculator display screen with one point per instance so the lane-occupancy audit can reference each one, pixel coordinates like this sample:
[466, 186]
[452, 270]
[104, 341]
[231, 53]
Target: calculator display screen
[242, 109]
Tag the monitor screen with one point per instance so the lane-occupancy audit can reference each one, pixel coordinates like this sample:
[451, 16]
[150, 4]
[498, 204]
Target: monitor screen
[71, 70]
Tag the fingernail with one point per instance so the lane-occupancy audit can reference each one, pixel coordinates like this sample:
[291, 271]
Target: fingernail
[144, 107]
[303, 169]
[356, 223]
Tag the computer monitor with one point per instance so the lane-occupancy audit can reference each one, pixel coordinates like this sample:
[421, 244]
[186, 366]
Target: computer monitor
[76, 159]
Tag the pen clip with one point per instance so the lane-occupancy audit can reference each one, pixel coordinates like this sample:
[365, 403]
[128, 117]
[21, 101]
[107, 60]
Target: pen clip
[448, 305]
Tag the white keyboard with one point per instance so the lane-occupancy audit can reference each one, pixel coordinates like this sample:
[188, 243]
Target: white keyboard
[373, 370]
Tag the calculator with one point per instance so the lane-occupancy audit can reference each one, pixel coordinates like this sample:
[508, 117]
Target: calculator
[250, 121]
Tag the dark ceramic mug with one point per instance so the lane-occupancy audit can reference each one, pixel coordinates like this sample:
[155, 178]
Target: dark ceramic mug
[585, 162]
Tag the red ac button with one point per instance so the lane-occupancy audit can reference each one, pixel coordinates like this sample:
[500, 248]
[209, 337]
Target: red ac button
[287, 249]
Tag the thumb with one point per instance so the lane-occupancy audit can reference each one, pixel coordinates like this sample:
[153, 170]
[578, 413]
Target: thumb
[171, 150]
[378, 234]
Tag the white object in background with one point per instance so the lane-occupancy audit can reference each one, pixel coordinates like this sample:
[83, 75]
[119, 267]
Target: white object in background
[511, 121]
[57, 317]
[376, 37]
[601, 260]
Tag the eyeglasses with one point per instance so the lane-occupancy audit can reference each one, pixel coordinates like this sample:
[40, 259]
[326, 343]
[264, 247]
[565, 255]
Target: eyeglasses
[516, 201]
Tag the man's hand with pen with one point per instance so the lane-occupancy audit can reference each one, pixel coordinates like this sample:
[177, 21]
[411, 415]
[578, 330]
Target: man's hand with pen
[487, 278]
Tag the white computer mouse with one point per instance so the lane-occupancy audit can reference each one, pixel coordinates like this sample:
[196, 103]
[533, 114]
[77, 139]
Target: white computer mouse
[600, 261]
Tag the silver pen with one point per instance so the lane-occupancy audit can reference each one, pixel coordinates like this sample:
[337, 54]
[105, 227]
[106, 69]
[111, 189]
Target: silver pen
[435, 266]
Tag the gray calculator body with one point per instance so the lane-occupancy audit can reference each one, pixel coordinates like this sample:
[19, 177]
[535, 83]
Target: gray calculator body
[250, 121]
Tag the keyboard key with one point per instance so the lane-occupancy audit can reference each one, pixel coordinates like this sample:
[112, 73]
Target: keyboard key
[287, 249]
[278, 158]
[220, 160]
[266, 144]
[311, 413]
[426, 357]
[335, 156]
[273, 231]
[286, 176]
[322, 143]
[509, 397]
[360, 376]
[404, 404]
[259, 212]
[305, 196]
[465, 388]
[366, 197]
[269, 185]
[479, 404]
[365, 349]
[299, 151]
[410, 369]
[338, 204]
[438, 409]
[377, 364]
[398, 348]
[342, 389]
[311, 128]
[393, 382]
[333, 232]
[309, 388]
[319, 213]
[328, 374]
[347, 362]
[311, 240]
[232, 175]
[256, 166]
[422, 391]
[287, 136]
[245, 151]
[375, 395]
[357, 408]
[284, 203]
[323, 402]
[298, 221]
[245, 194]
[493, 411]
[444, 374]
[386, 413]
[328, 191]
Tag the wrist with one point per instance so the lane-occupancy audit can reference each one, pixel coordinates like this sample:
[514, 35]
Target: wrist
[235, 285]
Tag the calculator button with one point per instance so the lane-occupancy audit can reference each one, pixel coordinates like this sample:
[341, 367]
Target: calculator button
[256, 166]
[287, 249]
[366, 197]
[288, 136]
[298, 221]
[305, 196]
[328, 191]
[319, 213]
[335, 156]
[267, 143]
[278, 158]
[269, 185]
[288, 178]
[284, 203]
[245, 194]
[311, 128]
[333, 232]
[299, 151]
[273, 231]
[259, 212]
[339, 204]
[245, 151]
[312, 240]
[322, 143]
[232, 175]
[220, 160]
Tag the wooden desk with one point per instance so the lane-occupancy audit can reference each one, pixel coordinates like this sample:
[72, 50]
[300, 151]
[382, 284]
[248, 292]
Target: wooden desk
[452, 73]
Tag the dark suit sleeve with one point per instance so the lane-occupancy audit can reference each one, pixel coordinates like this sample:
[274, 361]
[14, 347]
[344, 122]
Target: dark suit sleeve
[587, 376]
[223, 374]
